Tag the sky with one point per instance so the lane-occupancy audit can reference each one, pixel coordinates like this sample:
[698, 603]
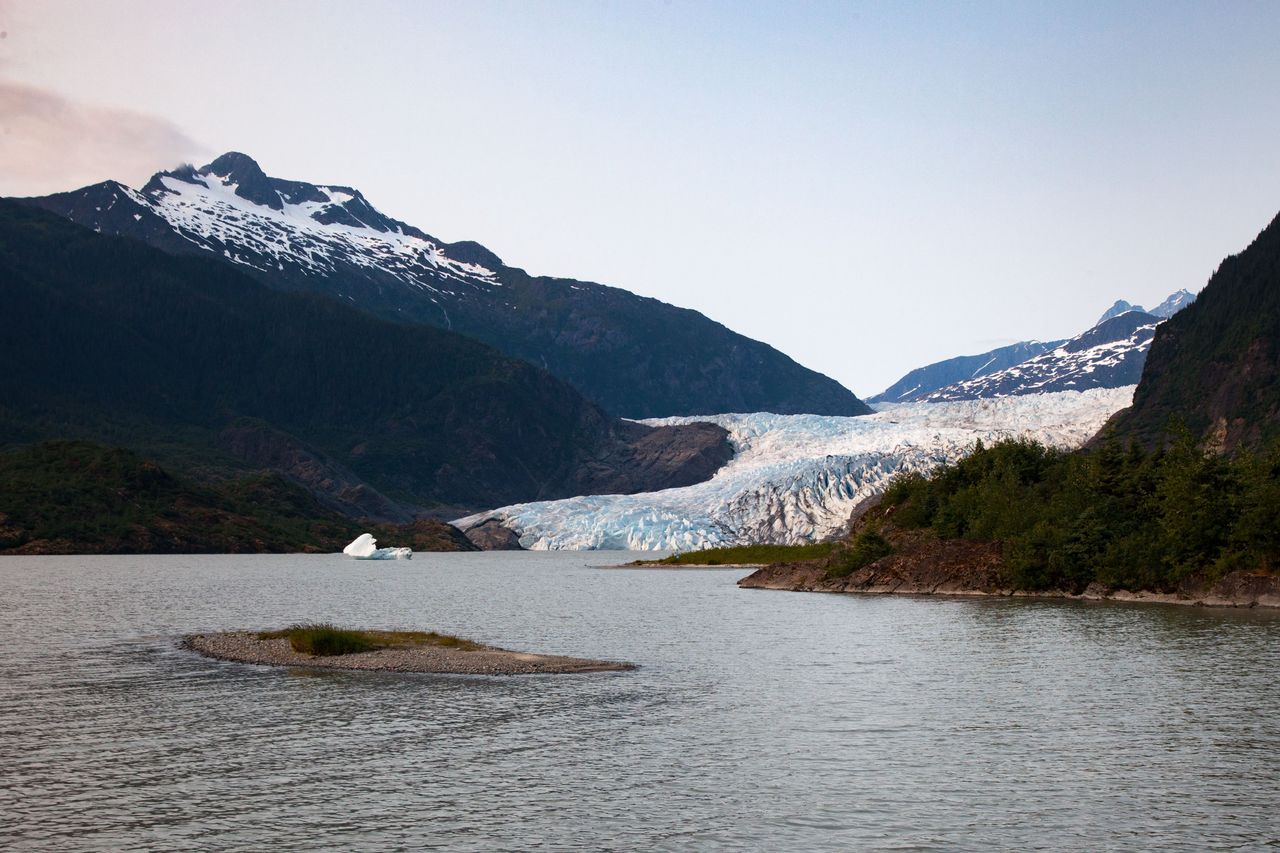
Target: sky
[868, 187]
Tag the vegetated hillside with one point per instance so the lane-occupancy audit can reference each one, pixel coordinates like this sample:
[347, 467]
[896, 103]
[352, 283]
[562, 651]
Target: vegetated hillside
[1216, 365]
[1021, 517]
[1121, 516]
[70, 497]
[191, 362]
[637, 357]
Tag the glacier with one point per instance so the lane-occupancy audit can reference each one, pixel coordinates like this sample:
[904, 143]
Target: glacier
[796, 478]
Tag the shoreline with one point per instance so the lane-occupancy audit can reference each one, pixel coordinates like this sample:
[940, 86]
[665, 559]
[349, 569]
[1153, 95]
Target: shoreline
[684, 568]
[249, 647]
[1237, 590]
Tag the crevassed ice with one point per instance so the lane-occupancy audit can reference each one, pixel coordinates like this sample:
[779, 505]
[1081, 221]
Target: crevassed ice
[797, 478]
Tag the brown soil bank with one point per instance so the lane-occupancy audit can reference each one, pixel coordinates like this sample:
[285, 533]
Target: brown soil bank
[250, 647]
[924, 565]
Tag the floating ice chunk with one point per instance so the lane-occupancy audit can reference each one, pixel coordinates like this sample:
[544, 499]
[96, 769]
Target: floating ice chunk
[365, 547]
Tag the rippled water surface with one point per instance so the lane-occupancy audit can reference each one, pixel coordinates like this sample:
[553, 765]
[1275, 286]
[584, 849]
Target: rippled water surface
[758, 720]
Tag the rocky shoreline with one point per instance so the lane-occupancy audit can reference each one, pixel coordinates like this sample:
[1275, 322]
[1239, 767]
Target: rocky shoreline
[250, 647]
[963, 568]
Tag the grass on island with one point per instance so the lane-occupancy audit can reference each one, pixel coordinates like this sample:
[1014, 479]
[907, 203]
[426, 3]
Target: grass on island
[744, 555]
[324, 639]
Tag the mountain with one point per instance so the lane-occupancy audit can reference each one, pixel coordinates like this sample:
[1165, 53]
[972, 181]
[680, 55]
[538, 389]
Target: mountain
[1120, 307]
[1110, 355]
[1216, 365]
[922, 381]
[1173, 304]
[634, 356]
[955, 379]
[194, 364]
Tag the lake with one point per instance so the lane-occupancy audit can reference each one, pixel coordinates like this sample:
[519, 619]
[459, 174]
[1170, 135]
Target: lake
[758, 720]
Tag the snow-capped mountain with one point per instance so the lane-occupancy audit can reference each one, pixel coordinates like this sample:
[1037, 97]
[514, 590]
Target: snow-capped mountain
[1110, 355]
[920, 382]
[1173, 304]
[1119, 307]
[635, 356]
[797, 478]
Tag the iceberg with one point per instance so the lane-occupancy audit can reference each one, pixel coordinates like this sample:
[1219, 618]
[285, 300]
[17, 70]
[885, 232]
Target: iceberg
[796, 479]
[365, 547]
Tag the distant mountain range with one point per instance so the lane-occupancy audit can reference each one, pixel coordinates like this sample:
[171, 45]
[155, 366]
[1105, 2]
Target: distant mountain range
[634, 356]
[1174, 303]
[1108, 355]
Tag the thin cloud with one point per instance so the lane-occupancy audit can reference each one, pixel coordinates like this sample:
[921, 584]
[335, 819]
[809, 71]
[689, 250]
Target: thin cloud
[49, 143]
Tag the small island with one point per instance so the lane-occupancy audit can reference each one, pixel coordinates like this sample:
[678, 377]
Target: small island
[331, 647]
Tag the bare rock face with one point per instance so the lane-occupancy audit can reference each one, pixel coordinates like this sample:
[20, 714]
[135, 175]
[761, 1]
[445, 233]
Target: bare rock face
[492, 536]
[647, 459]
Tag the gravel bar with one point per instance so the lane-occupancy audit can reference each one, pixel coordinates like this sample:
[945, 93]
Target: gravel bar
[248, 647]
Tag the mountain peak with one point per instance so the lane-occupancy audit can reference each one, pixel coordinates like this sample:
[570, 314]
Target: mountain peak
[1174, 303]
[234, 164]
[244, 173]
[1117, 309]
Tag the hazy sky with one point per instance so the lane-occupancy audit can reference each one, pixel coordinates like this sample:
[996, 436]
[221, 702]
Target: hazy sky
[867, 186]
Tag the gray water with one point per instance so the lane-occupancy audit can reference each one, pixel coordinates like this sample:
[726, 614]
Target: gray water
[757, 721]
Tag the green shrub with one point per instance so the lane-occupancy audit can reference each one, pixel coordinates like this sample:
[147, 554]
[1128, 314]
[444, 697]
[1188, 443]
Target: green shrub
[324, 639]
[867, 547]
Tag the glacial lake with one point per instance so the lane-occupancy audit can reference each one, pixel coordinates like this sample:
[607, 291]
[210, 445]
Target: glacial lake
[758, 720]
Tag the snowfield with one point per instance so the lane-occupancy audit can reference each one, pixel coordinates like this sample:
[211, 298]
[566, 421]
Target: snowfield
[797, 478]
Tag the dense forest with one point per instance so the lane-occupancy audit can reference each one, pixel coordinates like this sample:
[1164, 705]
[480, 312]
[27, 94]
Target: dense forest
[1121, 514]
[73, 497]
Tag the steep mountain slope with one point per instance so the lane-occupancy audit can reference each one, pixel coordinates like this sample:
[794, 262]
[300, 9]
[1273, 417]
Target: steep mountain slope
[1216, 364]
[922, 381]
[1109, 355]
[635, 356]
[195, 364]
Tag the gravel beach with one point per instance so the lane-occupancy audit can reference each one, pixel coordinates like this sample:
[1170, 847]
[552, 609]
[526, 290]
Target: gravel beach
[248, 647]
